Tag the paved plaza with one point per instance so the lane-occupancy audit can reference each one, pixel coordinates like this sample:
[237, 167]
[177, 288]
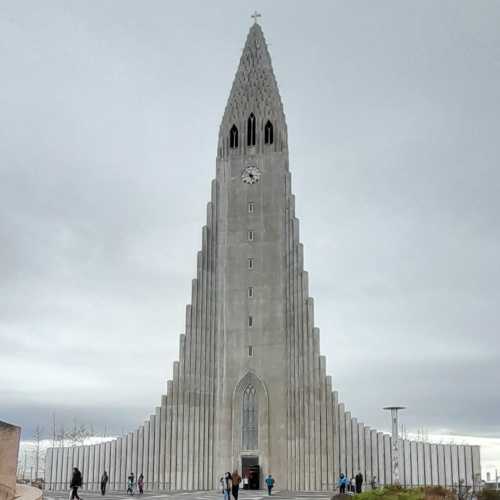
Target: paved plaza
[199, 495]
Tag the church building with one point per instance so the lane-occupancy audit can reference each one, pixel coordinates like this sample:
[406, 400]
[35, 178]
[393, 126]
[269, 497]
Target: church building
[250, 389]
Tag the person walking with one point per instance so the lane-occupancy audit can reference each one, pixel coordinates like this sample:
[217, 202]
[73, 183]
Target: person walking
[342, 483]
[373, 483]
[270, 484]
[227, 485]
[140, 484]
[76, 482]
[359, 482]
[130, 484]
[236, 480]
[104, 482]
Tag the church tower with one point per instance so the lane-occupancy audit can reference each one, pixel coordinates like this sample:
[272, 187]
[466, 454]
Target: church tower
[252, 269]
[250, 390]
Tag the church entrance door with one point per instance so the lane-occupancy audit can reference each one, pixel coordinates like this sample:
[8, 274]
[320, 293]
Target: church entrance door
[250, 470]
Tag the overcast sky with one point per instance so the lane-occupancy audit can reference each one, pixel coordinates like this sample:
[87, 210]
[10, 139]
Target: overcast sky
[109, 115]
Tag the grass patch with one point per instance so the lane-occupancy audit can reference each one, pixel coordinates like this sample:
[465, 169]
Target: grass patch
[399, 493]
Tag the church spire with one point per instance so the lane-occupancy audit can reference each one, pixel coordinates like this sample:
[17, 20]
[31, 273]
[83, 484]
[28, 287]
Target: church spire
[254, 92]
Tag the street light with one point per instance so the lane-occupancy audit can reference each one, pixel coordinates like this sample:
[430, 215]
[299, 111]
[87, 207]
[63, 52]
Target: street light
[395, 441]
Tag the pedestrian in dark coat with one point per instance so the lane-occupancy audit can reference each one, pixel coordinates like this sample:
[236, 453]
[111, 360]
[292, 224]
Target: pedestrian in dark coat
[76, 482]
[359, 482]
[236, 484]
[104, 482]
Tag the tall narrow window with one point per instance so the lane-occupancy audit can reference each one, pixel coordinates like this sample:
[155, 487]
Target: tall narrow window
[250, 321]
[250, 351]
[251, 130]
[251, 207]
[250, 263]
[251, 235]
[250, 292]
[268, 133]
[249, 419]
[233, 137]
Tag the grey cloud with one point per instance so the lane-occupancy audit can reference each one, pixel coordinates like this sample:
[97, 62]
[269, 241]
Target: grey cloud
[108, 129]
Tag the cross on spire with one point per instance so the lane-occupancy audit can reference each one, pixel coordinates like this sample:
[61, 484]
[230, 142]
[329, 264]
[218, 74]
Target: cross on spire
[255, 16]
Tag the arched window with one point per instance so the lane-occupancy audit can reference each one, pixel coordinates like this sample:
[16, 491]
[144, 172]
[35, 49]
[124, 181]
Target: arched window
[251, 130]
[268, 133]
[249, 419]
[233, 137]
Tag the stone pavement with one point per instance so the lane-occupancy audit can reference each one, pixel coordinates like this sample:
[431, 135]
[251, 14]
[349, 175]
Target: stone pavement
[197, 495]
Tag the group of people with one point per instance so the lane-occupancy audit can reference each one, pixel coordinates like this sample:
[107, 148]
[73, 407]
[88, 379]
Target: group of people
[230, 484]
[131, 484]
[77, 481]
[353, 485]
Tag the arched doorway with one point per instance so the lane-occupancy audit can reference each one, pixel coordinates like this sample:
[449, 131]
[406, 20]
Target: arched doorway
[250, 429]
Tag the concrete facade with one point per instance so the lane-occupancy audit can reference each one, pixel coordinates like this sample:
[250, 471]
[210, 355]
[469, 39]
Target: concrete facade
[10, 436]
[250, 330]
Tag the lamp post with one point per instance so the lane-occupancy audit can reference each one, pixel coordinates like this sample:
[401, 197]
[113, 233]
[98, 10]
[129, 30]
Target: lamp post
[395, 441]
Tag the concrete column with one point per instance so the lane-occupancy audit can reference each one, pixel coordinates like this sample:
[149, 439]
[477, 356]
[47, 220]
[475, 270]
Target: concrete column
[130, 444]
[79, 464]
[361, 449]
[428, 464]
[90, 471]
[476, 462]
[434, 465]
[112, 465]
[374, 445]
[440, 460]
[455, 477]
[162, 443]
[318, 393]
[388, 459]
[58, 454]
[468, 465]
[342, 448]
[168, 436]
[123, 462]
[118, 466]
[195, 378]
[48, 469]
[51, 473]
[102, 462]
[381, 458]
[368, 457]
[133, 454]
[97, 466]
[420, 464]
[336, 441]
[140, 450]
[355, 446]
[186, 451]
[180, 414]
[327, 435]
[145, 456]
[409, 458]
[53, 469]
[174, 437]
[190, 437]
[348, 443]
[447, 466]
[461, 463]
[64, 477]
[85, 470]
[109, 464]
[157, 441]
[151, 458]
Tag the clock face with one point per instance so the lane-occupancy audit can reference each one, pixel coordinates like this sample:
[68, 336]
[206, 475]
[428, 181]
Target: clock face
[250, 175]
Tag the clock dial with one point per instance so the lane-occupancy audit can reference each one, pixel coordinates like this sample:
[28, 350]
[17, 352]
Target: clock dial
[251, 175]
